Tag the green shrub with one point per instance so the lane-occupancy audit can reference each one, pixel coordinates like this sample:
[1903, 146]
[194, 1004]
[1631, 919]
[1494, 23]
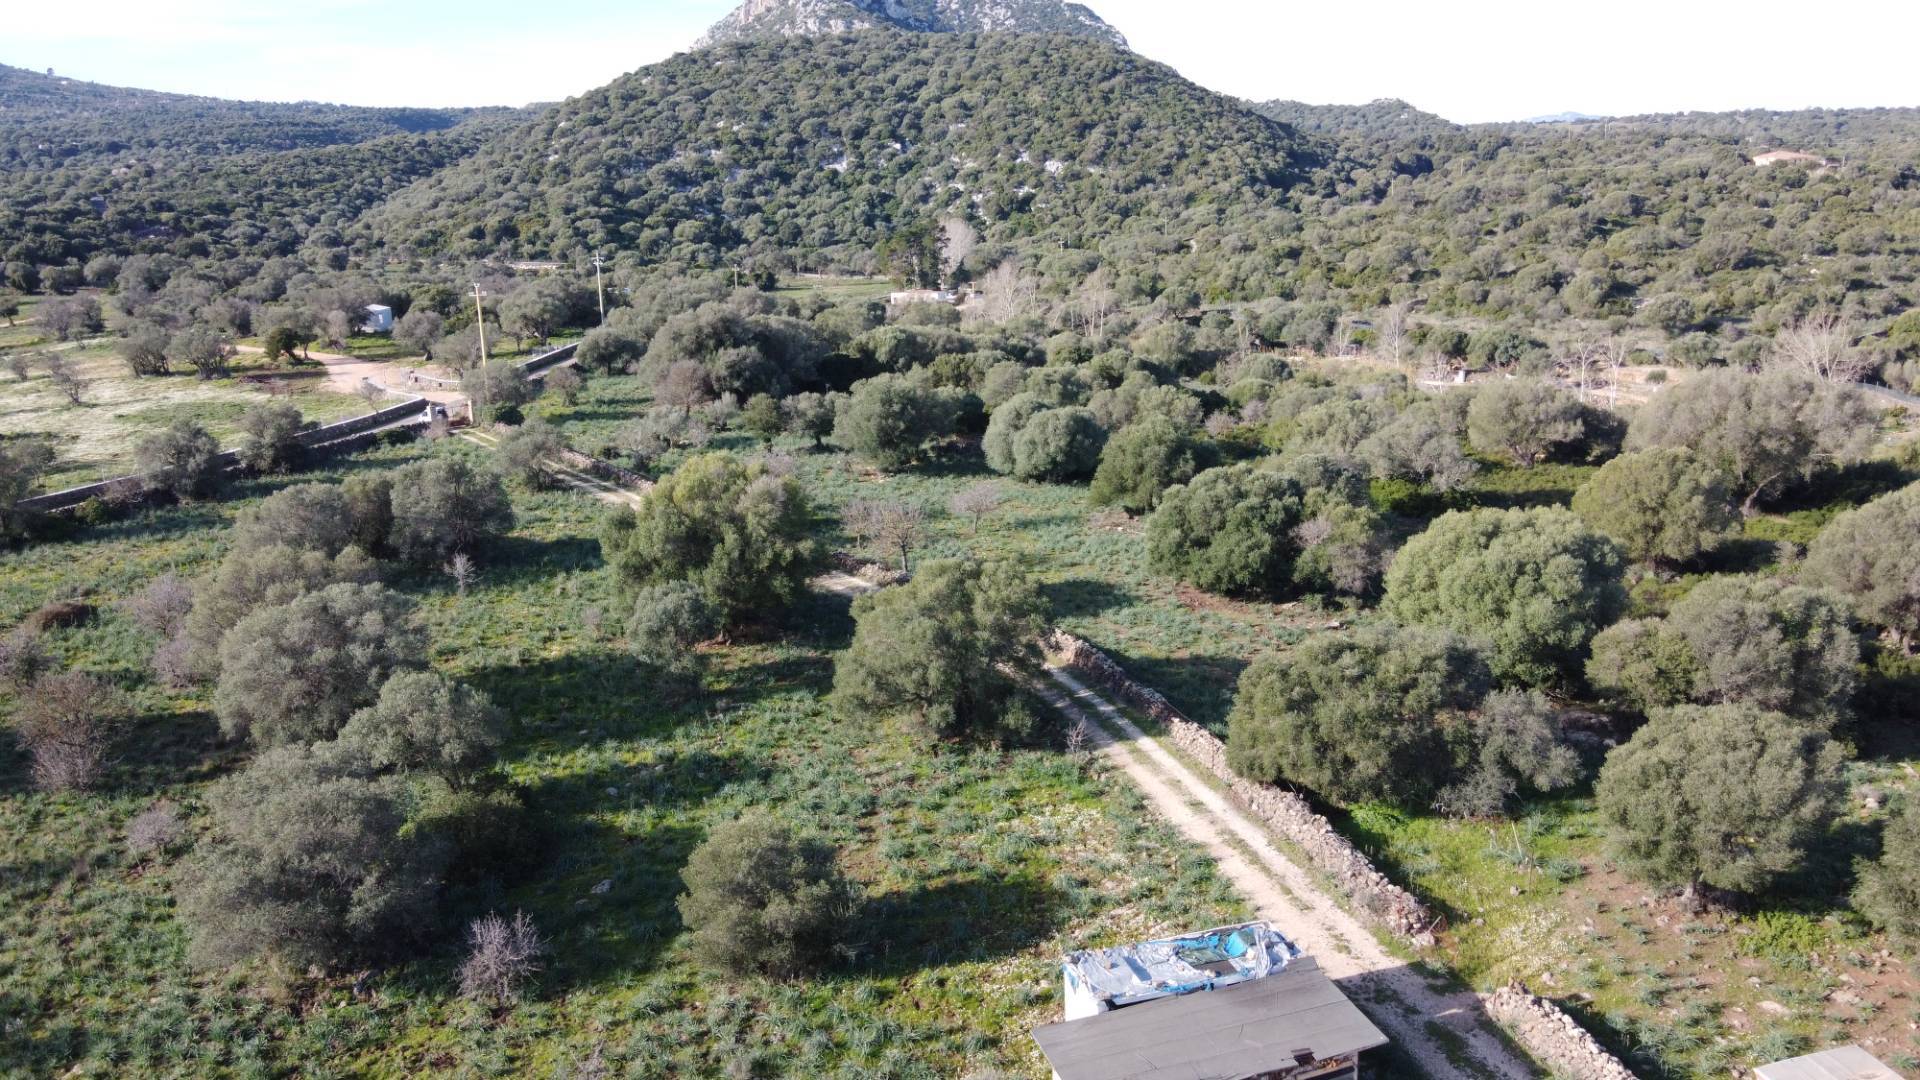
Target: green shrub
[1535, 584]
[762, 900]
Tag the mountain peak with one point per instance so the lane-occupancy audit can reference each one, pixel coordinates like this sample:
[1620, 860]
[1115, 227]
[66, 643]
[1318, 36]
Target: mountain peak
[763, 18]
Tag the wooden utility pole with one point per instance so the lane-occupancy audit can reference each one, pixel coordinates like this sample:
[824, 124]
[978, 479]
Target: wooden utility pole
[599, 287]
[480, 321]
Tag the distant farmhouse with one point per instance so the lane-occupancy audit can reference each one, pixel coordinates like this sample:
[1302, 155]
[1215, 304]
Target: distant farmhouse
[923, 296]
[379, 320]
[1790, 157]
[1235, 1003]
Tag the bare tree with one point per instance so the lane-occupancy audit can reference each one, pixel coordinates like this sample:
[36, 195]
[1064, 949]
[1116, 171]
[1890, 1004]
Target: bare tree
[66, 380]
[462, 570]
[1007, 294]
[1580, 363]
[1822, 345]
[154, 829]
[21, 363]
[957, 241]
[372, 393]
[68, 723]
[502, 955]
[977, 502]
[1391, 328]
[892, 526]
[1098, 300]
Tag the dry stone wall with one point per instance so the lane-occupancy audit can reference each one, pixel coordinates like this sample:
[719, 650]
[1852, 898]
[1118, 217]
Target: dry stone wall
[1378, 899]
[1552, 1037]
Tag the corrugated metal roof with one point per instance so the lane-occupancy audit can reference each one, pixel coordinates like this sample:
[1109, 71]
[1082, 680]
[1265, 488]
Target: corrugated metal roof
[1242, 1030]
[1841, 1063]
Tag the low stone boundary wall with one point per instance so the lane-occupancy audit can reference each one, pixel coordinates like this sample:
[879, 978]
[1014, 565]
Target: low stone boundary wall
[341, 438]
[1551, 1036]
[1379, 900]
[606, 470]
[390, 415]
[550, 359]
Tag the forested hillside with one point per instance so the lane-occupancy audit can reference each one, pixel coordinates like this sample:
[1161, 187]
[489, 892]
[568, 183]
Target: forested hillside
[827, 149]
[1663, 220]
[88, 169]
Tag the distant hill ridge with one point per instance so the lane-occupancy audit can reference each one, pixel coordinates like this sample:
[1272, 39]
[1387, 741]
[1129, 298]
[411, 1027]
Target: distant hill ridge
[787, 18]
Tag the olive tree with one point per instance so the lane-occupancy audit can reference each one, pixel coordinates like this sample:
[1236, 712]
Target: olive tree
[498, 389]
[22, 463]
[1782, 647]
[1536, 585]
[1723, 795]
[181, 459]
[1052, 444]
[1523, 420]
[809, 416]
[1888, 889]
[668, 620]
[524, 452]
[297, 672]
[426, 722]
[304, 517]
[1230, 530]
[251, 578]
[1141, 461]
[889, 419]
[938, 647]
[1870, 554]
[1764, 432]
[309, 861]
[446, 505]
[270, 437]
[1358, 716]
[761, 899]
[610, 351]
[1662, 506]
[741, 533]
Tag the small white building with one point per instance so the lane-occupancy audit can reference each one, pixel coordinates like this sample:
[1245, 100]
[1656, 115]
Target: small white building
[1234, 1003]
[379, 320]
[923, 296]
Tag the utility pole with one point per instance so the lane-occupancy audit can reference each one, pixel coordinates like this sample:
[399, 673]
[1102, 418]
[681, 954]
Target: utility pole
[600, 288]
[480, 322]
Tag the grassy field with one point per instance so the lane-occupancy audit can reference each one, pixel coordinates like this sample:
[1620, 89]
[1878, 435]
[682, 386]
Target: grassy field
[980, 867]
[1534, 898]
[96, 438]
[837, 289]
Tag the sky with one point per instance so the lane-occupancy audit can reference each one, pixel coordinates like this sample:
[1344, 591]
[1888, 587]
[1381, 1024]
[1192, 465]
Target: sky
[1482, 61]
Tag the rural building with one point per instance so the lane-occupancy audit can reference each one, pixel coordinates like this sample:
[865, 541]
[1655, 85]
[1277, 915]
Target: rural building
[1234, 1003]
[923, 296]
[1787, 157]
[1843, 1063]
[379, 320]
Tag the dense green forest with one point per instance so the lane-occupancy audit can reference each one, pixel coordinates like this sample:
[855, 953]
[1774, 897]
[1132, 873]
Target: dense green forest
[87, 169]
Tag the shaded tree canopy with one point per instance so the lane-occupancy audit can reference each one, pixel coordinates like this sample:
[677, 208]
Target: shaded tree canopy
[739, 532]
[1723, 795]
[1535, 584]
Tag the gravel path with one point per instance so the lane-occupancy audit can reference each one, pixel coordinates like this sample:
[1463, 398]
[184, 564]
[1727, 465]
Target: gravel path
[1446, 1032]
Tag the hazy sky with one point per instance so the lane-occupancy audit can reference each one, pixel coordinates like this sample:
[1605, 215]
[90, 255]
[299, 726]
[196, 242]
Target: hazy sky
[1487, 60]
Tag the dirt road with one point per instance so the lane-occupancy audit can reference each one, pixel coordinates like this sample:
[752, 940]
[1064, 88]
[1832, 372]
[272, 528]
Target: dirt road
[346, 373]
[1446, 1031]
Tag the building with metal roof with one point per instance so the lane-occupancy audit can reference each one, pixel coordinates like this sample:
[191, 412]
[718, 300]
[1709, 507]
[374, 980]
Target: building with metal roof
[1840, 1063]
[1233, 1003]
